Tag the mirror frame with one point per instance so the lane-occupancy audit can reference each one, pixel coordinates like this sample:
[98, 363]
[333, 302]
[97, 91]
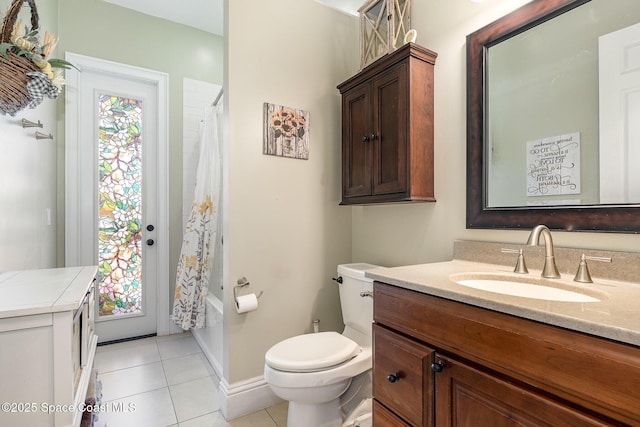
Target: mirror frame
[611, 218]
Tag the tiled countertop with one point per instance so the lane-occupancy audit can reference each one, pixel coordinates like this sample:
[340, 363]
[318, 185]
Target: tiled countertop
[616, 316]
[50, 290]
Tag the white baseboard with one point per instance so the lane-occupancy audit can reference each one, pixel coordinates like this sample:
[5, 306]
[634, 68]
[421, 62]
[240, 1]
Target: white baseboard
[242, 397]
[245, 397]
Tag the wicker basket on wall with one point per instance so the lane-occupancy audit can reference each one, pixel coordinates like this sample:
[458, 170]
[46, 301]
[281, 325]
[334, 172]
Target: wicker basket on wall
[13, 68]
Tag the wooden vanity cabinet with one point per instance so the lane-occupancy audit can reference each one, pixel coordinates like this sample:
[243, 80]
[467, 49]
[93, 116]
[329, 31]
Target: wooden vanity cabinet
[484, 368]
[387, 129]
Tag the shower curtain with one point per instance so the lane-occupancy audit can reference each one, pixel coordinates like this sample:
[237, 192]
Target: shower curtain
[198, 246]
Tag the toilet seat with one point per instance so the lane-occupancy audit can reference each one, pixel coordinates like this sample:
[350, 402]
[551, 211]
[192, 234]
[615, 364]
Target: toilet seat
[311, 352]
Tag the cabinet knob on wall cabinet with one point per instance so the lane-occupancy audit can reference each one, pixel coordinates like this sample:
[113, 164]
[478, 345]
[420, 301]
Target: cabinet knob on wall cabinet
[393, 378]
[150, 242]
[373, 136]
[438, 366]
[365, 138]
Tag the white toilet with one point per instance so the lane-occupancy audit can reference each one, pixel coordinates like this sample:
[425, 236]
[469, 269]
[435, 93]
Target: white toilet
[326, 376]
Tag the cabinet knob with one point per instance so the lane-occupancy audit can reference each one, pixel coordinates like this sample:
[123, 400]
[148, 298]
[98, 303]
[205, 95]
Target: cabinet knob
[438, 366]
[150, 242]
[365, 138]
[373, 136]
[395, 377]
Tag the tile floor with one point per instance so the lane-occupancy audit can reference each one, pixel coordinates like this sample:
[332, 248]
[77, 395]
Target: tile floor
[170, 383]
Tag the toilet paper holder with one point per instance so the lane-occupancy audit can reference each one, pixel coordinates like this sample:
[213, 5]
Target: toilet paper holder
[242, 282]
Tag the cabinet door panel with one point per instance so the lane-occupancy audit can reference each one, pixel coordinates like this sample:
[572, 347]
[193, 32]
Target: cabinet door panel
[356, 152]
[390, 131]
[410, 395]
[466, 397]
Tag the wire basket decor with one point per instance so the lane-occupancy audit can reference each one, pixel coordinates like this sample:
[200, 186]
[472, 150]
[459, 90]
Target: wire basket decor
[26, 73]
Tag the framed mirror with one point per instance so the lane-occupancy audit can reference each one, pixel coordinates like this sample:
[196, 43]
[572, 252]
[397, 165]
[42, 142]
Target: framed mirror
[551, 137]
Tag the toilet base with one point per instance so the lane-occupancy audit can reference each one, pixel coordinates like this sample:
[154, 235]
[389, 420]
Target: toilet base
[318, 414]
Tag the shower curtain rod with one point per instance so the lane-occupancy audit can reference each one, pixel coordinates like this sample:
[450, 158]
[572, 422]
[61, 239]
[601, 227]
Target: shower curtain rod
[215, 103]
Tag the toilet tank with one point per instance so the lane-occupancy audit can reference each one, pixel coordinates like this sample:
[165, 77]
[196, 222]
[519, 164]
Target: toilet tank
[356, 300]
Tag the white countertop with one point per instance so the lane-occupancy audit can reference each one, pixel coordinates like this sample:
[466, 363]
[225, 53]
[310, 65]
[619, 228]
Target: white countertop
[616, 316]
[31, 292]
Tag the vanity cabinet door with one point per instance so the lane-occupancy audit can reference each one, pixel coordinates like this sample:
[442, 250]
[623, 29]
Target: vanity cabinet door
[402, 377]
[467, 397]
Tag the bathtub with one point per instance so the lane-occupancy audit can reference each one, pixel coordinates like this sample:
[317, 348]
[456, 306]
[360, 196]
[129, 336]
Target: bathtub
[210, 337]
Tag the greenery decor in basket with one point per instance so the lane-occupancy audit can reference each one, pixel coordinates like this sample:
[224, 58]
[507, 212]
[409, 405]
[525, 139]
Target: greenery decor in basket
[27, 73]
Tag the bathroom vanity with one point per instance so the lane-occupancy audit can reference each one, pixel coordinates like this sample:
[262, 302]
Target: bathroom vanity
[447, 355]
[47, 345]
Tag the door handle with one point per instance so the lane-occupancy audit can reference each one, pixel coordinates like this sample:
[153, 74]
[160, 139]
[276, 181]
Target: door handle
[150, 242]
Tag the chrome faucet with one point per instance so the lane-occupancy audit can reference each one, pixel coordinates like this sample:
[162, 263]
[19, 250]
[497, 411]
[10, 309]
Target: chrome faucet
[550, 270]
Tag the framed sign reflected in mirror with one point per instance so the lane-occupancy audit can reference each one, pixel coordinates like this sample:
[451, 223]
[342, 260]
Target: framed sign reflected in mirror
[549, 130]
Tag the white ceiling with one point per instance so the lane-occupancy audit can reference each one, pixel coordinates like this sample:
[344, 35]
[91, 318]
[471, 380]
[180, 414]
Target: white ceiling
[207, 15]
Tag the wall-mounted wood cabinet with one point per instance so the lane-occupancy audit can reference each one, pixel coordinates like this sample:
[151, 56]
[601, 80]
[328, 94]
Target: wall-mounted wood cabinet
[387, 129]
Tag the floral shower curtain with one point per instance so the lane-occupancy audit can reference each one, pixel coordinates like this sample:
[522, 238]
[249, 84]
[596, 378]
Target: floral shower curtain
[198, 246]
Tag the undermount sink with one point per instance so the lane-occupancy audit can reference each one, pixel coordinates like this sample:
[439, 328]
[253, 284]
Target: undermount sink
[526, 287]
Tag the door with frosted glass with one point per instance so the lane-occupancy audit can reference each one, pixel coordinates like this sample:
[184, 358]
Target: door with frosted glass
[117, 141]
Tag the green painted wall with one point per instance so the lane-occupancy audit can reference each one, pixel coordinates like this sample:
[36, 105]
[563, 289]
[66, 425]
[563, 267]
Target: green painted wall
[99, 29]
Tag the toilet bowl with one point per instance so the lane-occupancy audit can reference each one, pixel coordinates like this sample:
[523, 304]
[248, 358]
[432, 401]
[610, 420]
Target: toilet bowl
[314, 394]
[326, 376]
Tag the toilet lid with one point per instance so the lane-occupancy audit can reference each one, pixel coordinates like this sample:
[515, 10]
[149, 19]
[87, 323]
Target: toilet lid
[311, 352]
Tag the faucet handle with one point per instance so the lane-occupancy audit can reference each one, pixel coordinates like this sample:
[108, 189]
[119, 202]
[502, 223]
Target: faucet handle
[582, 275]
[521, 267]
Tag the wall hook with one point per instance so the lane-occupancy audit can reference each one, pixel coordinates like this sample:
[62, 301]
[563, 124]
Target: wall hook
[41, 135]
[29, 124]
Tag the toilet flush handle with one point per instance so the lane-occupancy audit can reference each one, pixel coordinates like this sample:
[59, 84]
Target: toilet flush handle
[337, 279]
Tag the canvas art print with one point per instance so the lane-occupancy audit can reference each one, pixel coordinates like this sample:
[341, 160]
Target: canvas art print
[286, 132]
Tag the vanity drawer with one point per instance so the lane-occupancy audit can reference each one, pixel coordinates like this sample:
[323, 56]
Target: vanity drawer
[382, 417]
[402, 377]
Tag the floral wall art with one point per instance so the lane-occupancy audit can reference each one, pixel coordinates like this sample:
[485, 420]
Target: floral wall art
[286, 132]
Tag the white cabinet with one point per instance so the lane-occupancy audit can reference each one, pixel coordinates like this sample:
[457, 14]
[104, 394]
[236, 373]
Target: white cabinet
[47, 345]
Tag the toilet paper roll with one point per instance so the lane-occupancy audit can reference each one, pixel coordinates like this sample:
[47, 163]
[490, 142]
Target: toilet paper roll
[246, 303]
